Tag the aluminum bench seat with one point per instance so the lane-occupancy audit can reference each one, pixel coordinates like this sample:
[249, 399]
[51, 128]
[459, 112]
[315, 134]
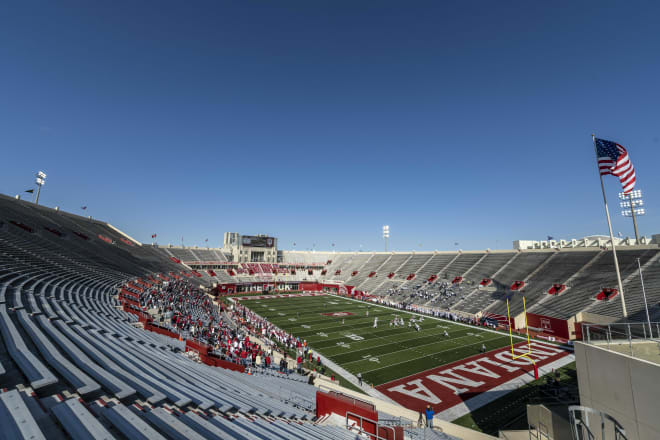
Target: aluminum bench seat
[81, 382]
[36, 372]
[130, 424]
[153, 396]
[118, 387]
[16, 421]
[79, 423]
[171, 425]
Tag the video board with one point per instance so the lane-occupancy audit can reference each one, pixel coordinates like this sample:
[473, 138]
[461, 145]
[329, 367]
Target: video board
[254, 241]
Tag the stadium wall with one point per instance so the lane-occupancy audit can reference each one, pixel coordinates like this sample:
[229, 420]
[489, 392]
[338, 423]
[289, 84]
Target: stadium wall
[624, 387]
[544, 324]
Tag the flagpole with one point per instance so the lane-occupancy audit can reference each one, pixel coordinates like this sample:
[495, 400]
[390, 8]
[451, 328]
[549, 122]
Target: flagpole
[609, 225]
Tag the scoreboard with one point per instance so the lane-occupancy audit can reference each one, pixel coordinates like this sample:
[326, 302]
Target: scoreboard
[255, 241]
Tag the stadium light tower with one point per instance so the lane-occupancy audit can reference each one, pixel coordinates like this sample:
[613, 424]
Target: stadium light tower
[386, 235]
[40, 180]
[632, 205]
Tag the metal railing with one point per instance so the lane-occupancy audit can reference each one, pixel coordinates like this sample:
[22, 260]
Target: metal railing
[582, 429]
[361, 419]
[637, 339]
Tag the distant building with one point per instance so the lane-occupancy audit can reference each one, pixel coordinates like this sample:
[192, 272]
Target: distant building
[251, 248]
[585, 242]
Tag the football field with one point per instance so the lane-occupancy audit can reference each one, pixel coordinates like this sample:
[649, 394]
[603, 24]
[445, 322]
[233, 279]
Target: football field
[413, 368]
[340, 330]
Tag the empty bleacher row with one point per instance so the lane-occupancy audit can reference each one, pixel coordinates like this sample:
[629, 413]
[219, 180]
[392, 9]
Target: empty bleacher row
[486, 278]
[73, 364]
[24, 415]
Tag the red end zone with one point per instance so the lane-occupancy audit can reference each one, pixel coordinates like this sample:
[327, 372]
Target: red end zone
[452, 384]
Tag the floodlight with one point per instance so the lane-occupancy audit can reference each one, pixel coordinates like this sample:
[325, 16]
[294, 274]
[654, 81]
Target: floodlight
[635, 203]
[632, 207]
[40, 181]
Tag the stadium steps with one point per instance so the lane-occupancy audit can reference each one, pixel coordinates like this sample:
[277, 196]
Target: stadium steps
[389, 283]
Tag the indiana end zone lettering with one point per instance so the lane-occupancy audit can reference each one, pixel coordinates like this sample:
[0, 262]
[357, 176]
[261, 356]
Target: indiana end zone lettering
[450, 385]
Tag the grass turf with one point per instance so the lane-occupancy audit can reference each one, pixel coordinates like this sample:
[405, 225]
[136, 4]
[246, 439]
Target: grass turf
[510, 410]
[380, 354]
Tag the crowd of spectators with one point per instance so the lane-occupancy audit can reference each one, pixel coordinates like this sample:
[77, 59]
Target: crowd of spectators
[431, 311]
[441, 293]
[187, 310]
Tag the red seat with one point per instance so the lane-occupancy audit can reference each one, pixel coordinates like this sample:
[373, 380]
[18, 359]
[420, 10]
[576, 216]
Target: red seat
[53, 231]
[22, 226]
[607, 294]
[556, 289]
[106, 239]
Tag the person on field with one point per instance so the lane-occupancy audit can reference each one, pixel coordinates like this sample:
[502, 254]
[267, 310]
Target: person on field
[429, 416]
[359, 378]
[376, 322]
[483, 348]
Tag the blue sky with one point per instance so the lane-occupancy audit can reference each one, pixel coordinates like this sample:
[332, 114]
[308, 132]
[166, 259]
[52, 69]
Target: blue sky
[318, 122]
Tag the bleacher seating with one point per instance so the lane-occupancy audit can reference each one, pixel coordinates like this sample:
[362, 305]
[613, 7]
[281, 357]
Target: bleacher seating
[74, 365]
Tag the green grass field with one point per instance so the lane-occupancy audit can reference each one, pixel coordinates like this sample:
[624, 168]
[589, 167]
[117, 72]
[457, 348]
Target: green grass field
[382, 354]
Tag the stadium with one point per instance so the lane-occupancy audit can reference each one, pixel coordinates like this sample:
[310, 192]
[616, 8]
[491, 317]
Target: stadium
[103, 334]
[360, 220]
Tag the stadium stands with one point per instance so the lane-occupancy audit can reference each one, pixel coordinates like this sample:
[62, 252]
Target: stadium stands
[76, 361]
[67, 347]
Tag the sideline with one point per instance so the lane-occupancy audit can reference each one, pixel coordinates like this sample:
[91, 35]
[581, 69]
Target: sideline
[486, 329]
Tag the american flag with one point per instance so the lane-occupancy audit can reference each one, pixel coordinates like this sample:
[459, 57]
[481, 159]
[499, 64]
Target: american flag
[613, 159]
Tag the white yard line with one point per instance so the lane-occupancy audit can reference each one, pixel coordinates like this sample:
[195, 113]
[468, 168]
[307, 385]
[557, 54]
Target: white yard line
[430, 354]
[485, 329]
[402, 341]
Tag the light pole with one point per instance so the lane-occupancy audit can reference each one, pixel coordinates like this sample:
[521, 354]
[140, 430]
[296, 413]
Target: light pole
[386, 235]
[40, 180]
[646, 304]
[632, 204]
